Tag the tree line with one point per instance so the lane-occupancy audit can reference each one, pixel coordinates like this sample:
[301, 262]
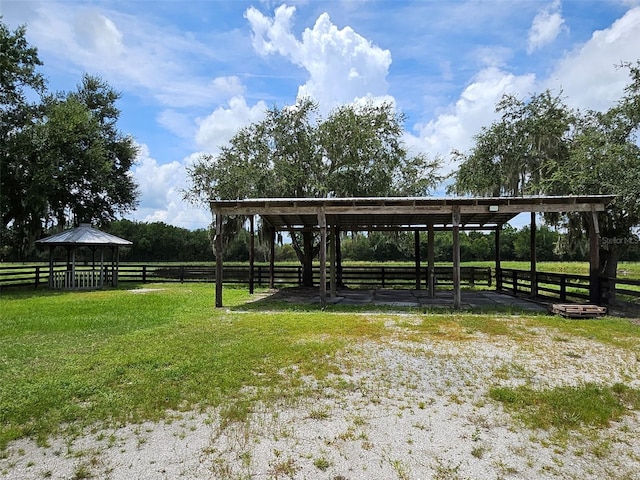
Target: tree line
[159, 242]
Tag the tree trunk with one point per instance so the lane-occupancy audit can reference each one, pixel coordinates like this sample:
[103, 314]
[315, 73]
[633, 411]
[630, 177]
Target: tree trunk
[305, 253]
[609, 268]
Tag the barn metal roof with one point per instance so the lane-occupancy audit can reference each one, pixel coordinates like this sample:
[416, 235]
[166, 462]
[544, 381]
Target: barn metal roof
[84, 235]
[402, 213]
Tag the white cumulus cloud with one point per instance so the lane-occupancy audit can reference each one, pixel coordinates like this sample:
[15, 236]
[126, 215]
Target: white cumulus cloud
[546, 26]
[161, 187]
[342, 65]
[588, 75]
[475, 108]
[217, 129]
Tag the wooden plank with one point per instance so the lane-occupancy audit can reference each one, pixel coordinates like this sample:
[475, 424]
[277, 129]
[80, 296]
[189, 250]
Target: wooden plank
[571, 310]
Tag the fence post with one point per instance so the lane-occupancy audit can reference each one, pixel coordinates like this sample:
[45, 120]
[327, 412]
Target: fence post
[488, 273]
[144, 274]
[472, 279]
[515, 283]
[383, 279]
[182, 274]
[563, 288]
[299, 276]
[37, 275]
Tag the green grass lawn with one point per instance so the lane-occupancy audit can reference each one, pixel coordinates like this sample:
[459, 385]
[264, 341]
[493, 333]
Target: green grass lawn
[72, 360]
[77, 358]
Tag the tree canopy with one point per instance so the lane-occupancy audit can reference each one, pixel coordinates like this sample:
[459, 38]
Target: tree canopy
[356, 151]
[62, 158]
[541, 146]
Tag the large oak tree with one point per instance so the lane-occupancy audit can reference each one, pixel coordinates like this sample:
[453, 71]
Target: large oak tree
[62, 158]
[541, 146]
[356, 151]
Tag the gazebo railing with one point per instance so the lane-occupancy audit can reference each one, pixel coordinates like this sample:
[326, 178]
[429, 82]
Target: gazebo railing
[80, 279]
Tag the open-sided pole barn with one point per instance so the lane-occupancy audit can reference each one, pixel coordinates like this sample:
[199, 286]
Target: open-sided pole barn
[329, 216]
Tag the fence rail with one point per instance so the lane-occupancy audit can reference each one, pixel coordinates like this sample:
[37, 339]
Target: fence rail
[565, 287]
[561, 287]
[360, 276]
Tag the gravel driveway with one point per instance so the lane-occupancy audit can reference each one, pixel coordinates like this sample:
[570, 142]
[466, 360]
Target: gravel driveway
[404, 408]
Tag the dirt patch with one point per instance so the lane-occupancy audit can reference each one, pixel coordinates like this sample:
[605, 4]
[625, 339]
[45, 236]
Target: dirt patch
[401, 409]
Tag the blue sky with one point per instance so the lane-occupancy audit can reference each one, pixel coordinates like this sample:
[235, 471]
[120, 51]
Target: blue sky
[192, 72]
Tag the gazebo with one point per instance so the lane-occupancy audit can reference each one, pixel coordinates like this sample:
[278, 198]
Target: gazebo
[97, 273]
[329, 216]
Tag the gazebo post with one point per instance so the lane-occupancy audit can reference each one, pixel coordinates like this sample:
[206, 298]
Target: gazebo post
[455, 220]
[431, 278]
[272, 257]
[534, 274]
[102, 267]
[218, 251]
[322, 222]
[251, 252]
[416, 254]
[339, 281]
[73, 267]
[497, 258]
[115, 274]
[332, 261]
[51, 247]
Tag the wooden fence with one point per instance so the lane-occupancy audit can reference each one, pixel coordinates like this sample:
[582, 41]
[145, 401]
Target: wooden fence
[284, 275]
[561, 287]
[566, 287]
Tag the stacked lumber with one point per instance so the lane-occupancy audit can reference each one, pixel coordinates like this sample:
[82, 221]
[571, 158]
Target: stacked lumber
[572, 310]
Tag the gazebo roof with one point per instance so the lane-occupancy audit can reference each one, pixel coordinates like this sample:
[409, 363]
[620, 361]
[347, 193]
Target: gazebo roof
[85, 236]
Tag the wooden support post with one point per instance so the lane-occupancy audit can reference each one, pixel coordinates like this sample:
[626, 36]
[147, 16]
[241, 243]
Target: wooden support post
[455, 220]
[534, 279]
[497, 257]
[332, 261]
[51, 247]
[431, 277]
[73, 268]
[339, 281]
[251, 252]
[218, 251]
[272, 258]
[144, 278]
[416, 253]
[322, 222]
[594, 260]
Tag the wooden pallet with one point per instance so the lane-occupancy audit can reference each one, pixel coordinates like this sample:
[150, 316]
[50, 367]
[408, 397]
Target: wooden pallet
[572, 310]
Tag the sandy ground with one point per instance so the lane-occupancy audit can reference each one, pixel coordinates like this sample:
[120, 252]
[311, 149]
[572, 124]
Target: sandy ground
[401, 410]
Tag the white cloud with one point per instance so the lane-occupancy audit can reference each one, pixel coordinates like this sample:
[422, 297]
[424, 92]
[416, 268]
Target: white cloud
[98, 34]
[588, 76]
[129, 53]
[161, 188]
[475, 108]
[546, 27]
[217, 129]
[342, 65]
